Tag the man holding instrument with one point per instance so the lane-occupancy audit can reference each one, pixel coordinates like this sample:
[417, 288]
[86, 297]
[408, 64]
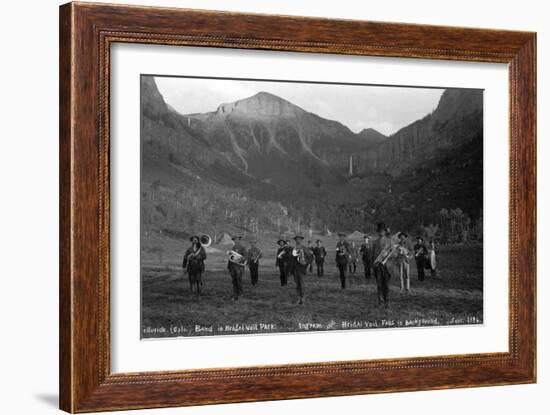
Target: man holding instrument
[235, 265]
[420, 256]
[301, 258]
[366, 255]
[193, 264]
[342, 258]
[253, 256]
[381, 251]
[281, 261]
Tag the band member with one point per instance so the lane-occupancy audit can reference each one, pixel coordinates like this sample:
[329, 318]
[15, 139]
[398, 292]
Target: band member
[253, 258]
[352, 259]
[420, 256]
[288, 257]
[310, 248]
[301, 257]
[193, 264]
[342, 256]
[281, 261]
[381, 273]
[319, 252]
[403, 261]
[366, 255]
[236, 270]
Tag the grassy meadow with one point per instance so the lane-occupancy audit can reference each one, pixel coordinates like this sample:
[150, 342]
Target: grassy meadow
[169, 309]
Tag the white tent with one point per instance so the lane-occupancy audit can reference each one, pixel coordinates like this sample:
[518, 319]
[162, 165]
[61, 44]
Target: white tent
[226, 240]
[212, 250]
[356, 235]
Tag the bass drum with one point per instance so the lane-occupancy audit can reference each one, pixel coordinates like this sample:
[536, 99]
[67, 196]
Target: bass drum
[431, 260]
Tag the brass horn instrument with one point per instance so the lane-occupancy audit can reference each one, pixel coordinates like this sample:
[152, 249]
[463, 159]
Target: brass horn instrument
[257, 257]
[236, 258]
[205, 240]
[385, 254]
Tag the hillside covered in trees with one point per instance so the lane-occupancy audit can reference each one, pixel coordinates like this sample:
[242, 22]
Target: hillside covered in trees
[264, 165]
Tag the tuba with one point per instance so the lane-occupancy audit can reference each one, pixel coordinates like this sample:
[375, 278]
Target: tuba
[236, 258]
[205, 240]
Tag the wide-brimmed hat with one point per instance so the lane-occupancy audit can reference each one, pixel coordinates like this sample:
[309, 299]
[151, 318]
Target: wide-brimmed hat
[281, 240]
[298, 237]
[193, 237]
[380, 227]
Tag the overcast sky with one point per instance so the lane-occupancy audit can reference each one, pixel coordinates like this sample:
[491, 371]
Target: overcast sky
[386, 109]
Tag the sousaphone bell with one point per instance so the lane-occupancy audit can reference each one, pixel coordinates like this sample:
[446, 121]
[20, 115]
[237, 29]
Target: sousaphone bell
[205, 240]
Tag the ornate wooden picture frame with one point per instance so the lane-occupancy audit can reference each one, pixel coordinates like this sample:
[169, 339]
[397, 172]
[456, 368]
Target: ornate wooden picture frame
[87, 32]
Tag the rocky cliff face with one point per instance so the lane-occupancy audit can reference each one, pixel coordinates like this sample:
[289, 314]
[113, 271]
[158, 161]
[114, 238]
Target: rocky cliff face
[261, 105]
[166, 135]
[274, 140]
[457, 120]
[270, 139]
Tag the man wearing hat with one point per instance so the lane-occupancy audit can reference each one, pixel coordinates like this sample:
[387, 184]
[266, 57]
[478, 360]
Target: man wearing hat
[193, 263]
[288, 253]
[319, 252]
[342, 257]
[420, 256]
[301, 257]
[253, 257]
[281, 261]
[236, 269]
[381, 273]
[366, 255]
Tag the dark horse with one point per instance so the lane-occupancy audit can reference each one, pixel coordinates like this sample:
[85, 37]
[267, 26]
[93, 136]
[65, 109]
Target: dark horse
[193, 263]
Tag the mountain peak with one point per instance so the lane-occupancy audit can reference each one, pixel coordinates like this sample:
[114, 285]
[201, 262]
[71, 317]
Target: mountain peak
[266, 95]
[262, 104]
[372, 135]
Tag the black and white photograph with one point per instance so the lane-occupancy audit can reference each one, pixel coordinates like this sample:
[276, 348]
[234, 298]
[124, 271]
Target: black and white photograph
[272, 206]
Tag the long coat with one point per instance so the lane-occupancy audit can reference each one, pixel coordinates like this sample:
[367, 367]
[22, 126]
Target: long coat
[380, 244]
[342, 252]
[366, 252]
[296, 267]
[238, 248]
[193, 260]
[280, 258]
[253, 253]
[320, 253]
[420, 254]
